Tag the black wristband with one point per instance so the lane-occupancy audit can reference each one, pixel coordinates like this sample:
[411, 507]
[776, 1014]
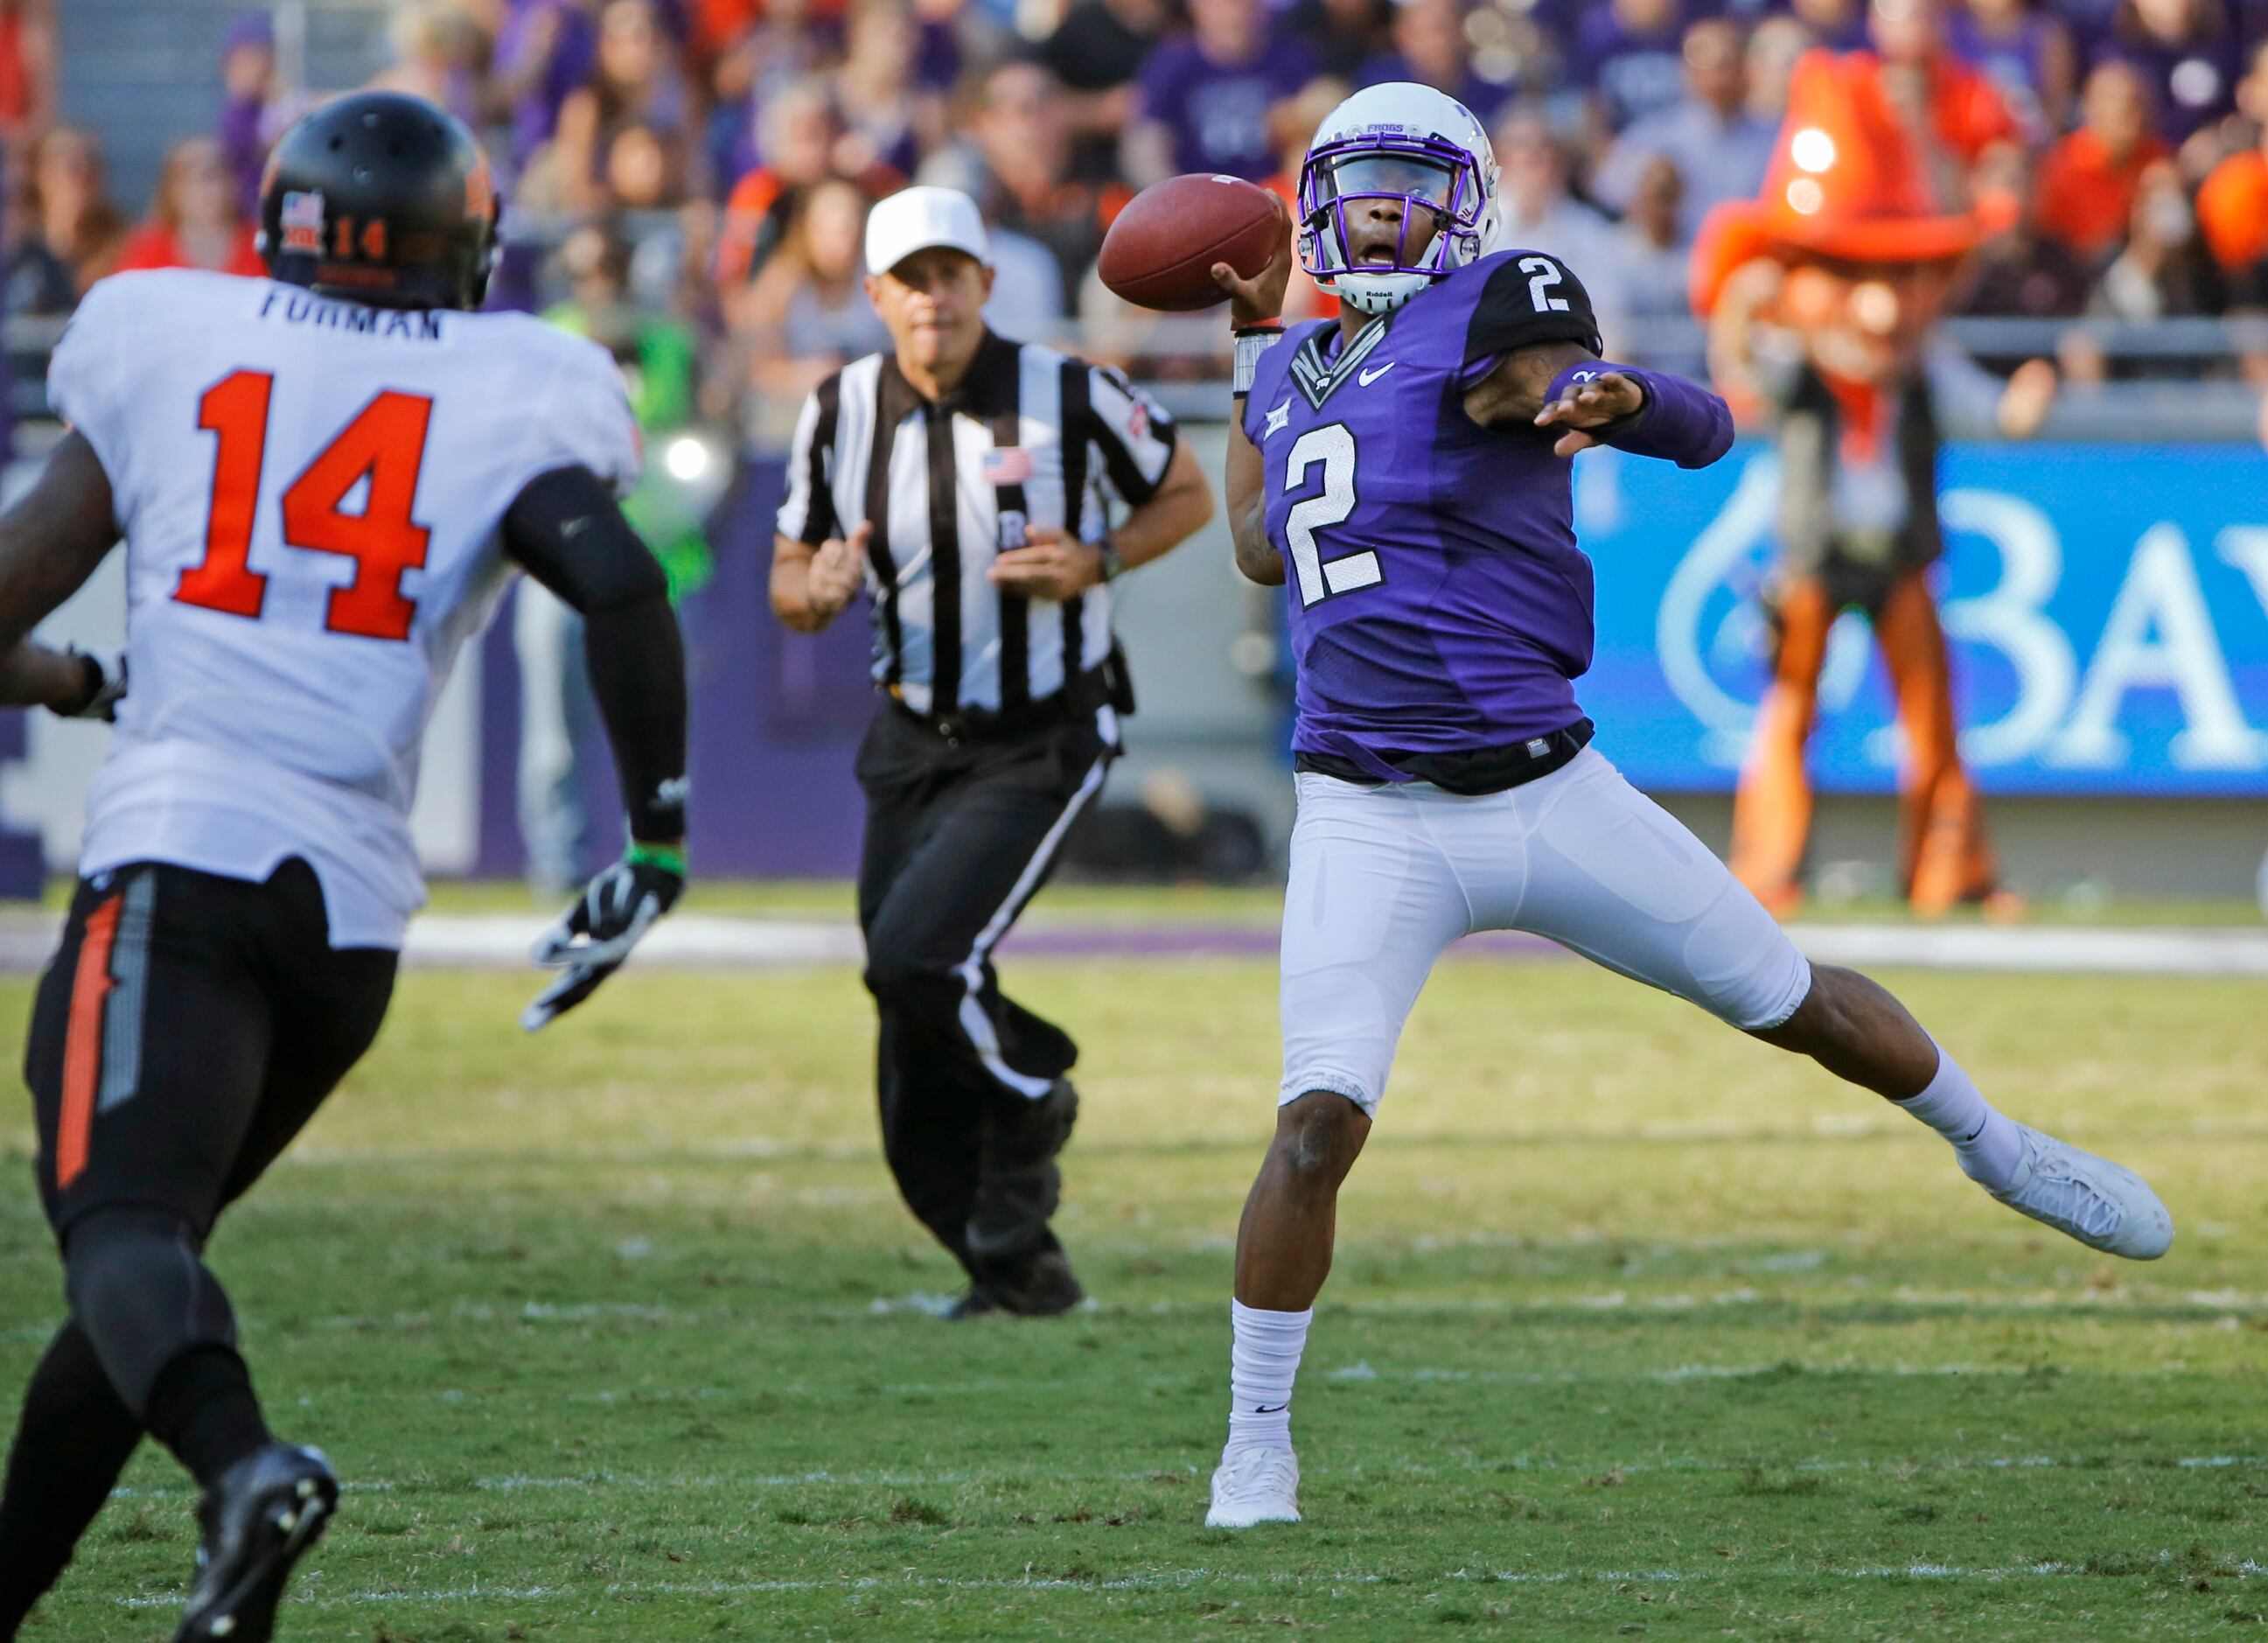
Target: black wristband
[91, 667]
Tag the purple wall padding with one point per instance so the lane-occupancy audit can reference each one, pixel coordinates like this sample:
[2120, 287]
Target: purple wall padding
[777, 717]
[23, 868]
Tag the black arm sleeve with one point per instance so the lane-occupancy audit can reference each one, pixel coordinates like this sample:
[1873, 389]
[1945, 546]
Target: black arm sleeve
[1530, 298]
[566, 531]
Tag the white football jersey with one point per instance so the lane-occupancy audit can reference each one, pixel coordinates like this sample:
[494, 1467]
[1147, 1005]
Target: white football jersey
[310, 492]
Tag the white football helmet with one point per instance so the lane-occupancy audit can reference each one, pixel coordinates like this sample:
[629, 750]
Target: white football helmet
[1405, 142]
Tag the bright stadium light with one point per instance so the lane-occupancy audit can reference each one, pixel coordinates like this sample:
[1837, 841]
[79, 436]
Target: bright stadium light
[687, 459]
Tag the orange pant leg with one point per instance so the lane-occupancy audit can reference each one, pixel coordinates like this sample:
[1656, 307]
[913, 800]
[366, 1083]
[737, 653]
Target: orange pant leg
[1944, 854]
[1772, 810]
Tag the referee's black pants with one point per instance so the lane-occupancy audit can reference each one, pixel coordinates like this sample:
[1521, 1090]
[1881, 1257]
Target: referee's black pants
[959, 836]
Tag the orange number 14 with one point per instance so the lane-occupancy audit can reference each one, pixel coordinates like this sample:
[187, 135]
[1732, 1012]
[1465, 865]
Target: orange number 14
[383, 444]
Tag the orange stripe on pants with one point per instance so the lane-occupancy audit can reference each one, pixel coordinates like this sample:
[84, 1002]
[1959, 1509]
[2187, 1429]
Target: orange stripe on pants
[91, 986]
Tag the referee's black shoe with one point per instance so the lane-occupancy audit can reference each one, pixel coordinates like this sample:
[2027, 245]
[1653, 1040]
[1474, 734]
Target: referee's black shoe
[977, 1302]
[1037, 1284]
[260, 1518]
[1017, 1184]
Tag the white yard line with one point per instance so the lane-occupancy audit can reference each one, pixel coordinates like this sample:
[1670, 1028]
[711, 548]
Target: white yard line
[2041, 948]
[1178, 1580]
[695, 941]
[2203, 1306]
[1841, 1128]
[1371, 1470]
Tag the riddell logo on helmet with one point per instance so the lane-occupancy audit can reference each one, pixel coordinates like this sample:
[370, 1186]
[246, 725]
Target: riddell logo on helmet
[301, 219]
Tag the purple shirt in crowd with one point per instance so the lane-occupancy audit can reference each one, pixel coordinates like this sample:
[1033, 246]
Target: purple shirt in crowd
[2194, 84]
[1219, 112]
[1438, 603]
[1635, 73]
[2016, 63]
[574, 48]
[244, 146]
[1486, 100]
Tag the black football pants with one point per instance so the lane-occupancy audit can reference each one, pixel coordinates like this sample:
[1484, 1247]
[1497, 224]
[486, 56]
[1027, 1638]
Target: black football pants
[959, 836]
[187, 1028]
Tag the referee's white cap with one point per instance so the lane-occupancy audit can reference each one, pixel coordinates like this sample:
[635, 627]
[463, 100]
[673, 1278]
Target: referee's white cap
[918, 218]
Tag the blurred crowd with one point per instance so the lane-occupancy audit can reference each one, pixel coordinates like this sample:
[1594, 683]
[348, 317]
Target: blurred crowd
[708, 162]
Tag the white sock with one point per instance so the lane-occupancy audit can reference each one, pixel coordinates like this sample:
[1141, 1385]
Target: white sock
[1262, 1364]
[1987, 1141]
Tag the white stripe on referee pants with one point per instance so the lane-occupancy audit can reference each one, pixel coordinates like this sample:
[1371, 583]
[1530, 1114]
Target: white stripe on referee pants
[973, 1021]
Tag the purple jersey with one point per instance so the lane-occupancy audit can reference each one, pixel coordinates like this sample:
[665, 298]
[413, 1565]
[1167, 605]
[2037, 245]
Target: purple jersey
[1218, 111]
[1439, 604]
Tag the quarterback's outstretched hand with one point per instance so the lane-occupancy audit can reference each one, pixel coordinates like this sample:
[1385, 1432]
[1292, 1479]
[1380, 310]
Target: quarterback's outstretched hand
[597, 933]
[1608, 397]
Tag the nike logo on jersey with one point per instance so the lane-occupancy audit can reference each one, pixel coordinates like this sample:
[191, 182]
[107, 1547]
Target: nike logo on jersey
[1364, 379]
[1278, 420]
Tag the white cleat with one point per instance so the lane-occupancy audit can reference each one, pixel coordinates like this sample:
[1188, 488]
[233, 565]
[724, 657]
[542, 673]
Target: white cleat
[1254, 1485]
[2090, 1198]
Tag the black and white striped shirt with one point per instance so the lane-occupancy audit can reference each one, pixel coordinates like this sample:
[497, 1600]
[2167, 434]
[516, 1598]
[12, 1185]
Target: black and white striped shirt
[949, 485]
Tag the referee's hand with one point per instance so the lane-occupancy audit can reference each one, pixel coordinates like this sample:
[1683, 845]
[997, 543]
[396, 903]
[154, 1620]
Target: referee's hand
[836, 569]
[1049, 566]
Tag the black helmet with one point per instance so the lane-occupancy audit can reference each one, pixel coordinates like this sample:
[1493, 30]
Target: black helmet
[380, 198]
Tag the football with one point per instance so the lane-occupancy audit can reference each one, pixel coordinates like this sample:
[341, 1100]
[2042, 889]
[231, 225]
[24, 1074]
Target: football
[1160, 249]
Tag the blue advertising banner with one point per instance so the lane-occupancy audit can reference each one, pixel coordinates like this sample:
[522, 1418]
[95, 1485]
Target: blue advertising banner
[2107, 607]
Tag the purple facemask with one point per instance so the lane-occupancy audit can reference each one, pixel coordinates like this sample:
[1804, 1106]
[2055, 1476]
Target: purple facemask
[1421, 173]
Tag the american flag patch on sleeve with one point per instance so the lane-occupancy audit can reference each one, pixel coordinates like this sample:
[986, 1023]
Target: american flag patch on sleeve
[1008, 465]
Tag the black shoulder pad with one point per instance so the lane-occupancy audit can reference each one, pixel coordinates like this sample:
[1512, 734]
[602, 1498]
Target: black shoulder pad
[1530, 297]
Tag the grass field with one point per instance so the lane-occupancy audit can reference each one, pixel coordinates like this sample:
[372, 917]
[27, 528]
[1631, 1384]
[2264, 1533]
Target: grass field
[1639, 1330]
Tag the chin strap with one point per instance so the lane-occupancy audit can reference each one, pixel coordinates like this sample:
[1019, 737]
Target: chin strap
[1350, 287]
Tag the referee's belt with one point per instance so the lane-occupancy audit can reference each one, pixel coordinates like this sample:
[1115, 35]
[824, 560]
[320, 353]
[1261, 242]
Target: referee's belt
[1077, 703]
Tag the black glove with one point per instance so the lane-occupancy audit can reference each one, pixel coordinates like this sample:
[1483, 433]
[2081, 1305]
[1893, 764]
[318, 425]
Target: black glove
[104, 687]
[597, 933]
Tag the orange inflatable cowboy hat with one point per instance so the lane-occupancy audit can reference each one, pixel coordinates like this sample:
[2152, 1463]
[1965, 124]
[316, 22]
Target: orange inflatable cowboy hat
[1847, 181]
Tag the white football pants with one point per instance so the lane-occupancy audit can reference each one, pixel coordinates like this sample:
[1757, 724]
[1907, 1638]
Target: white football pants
[1384, 878]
